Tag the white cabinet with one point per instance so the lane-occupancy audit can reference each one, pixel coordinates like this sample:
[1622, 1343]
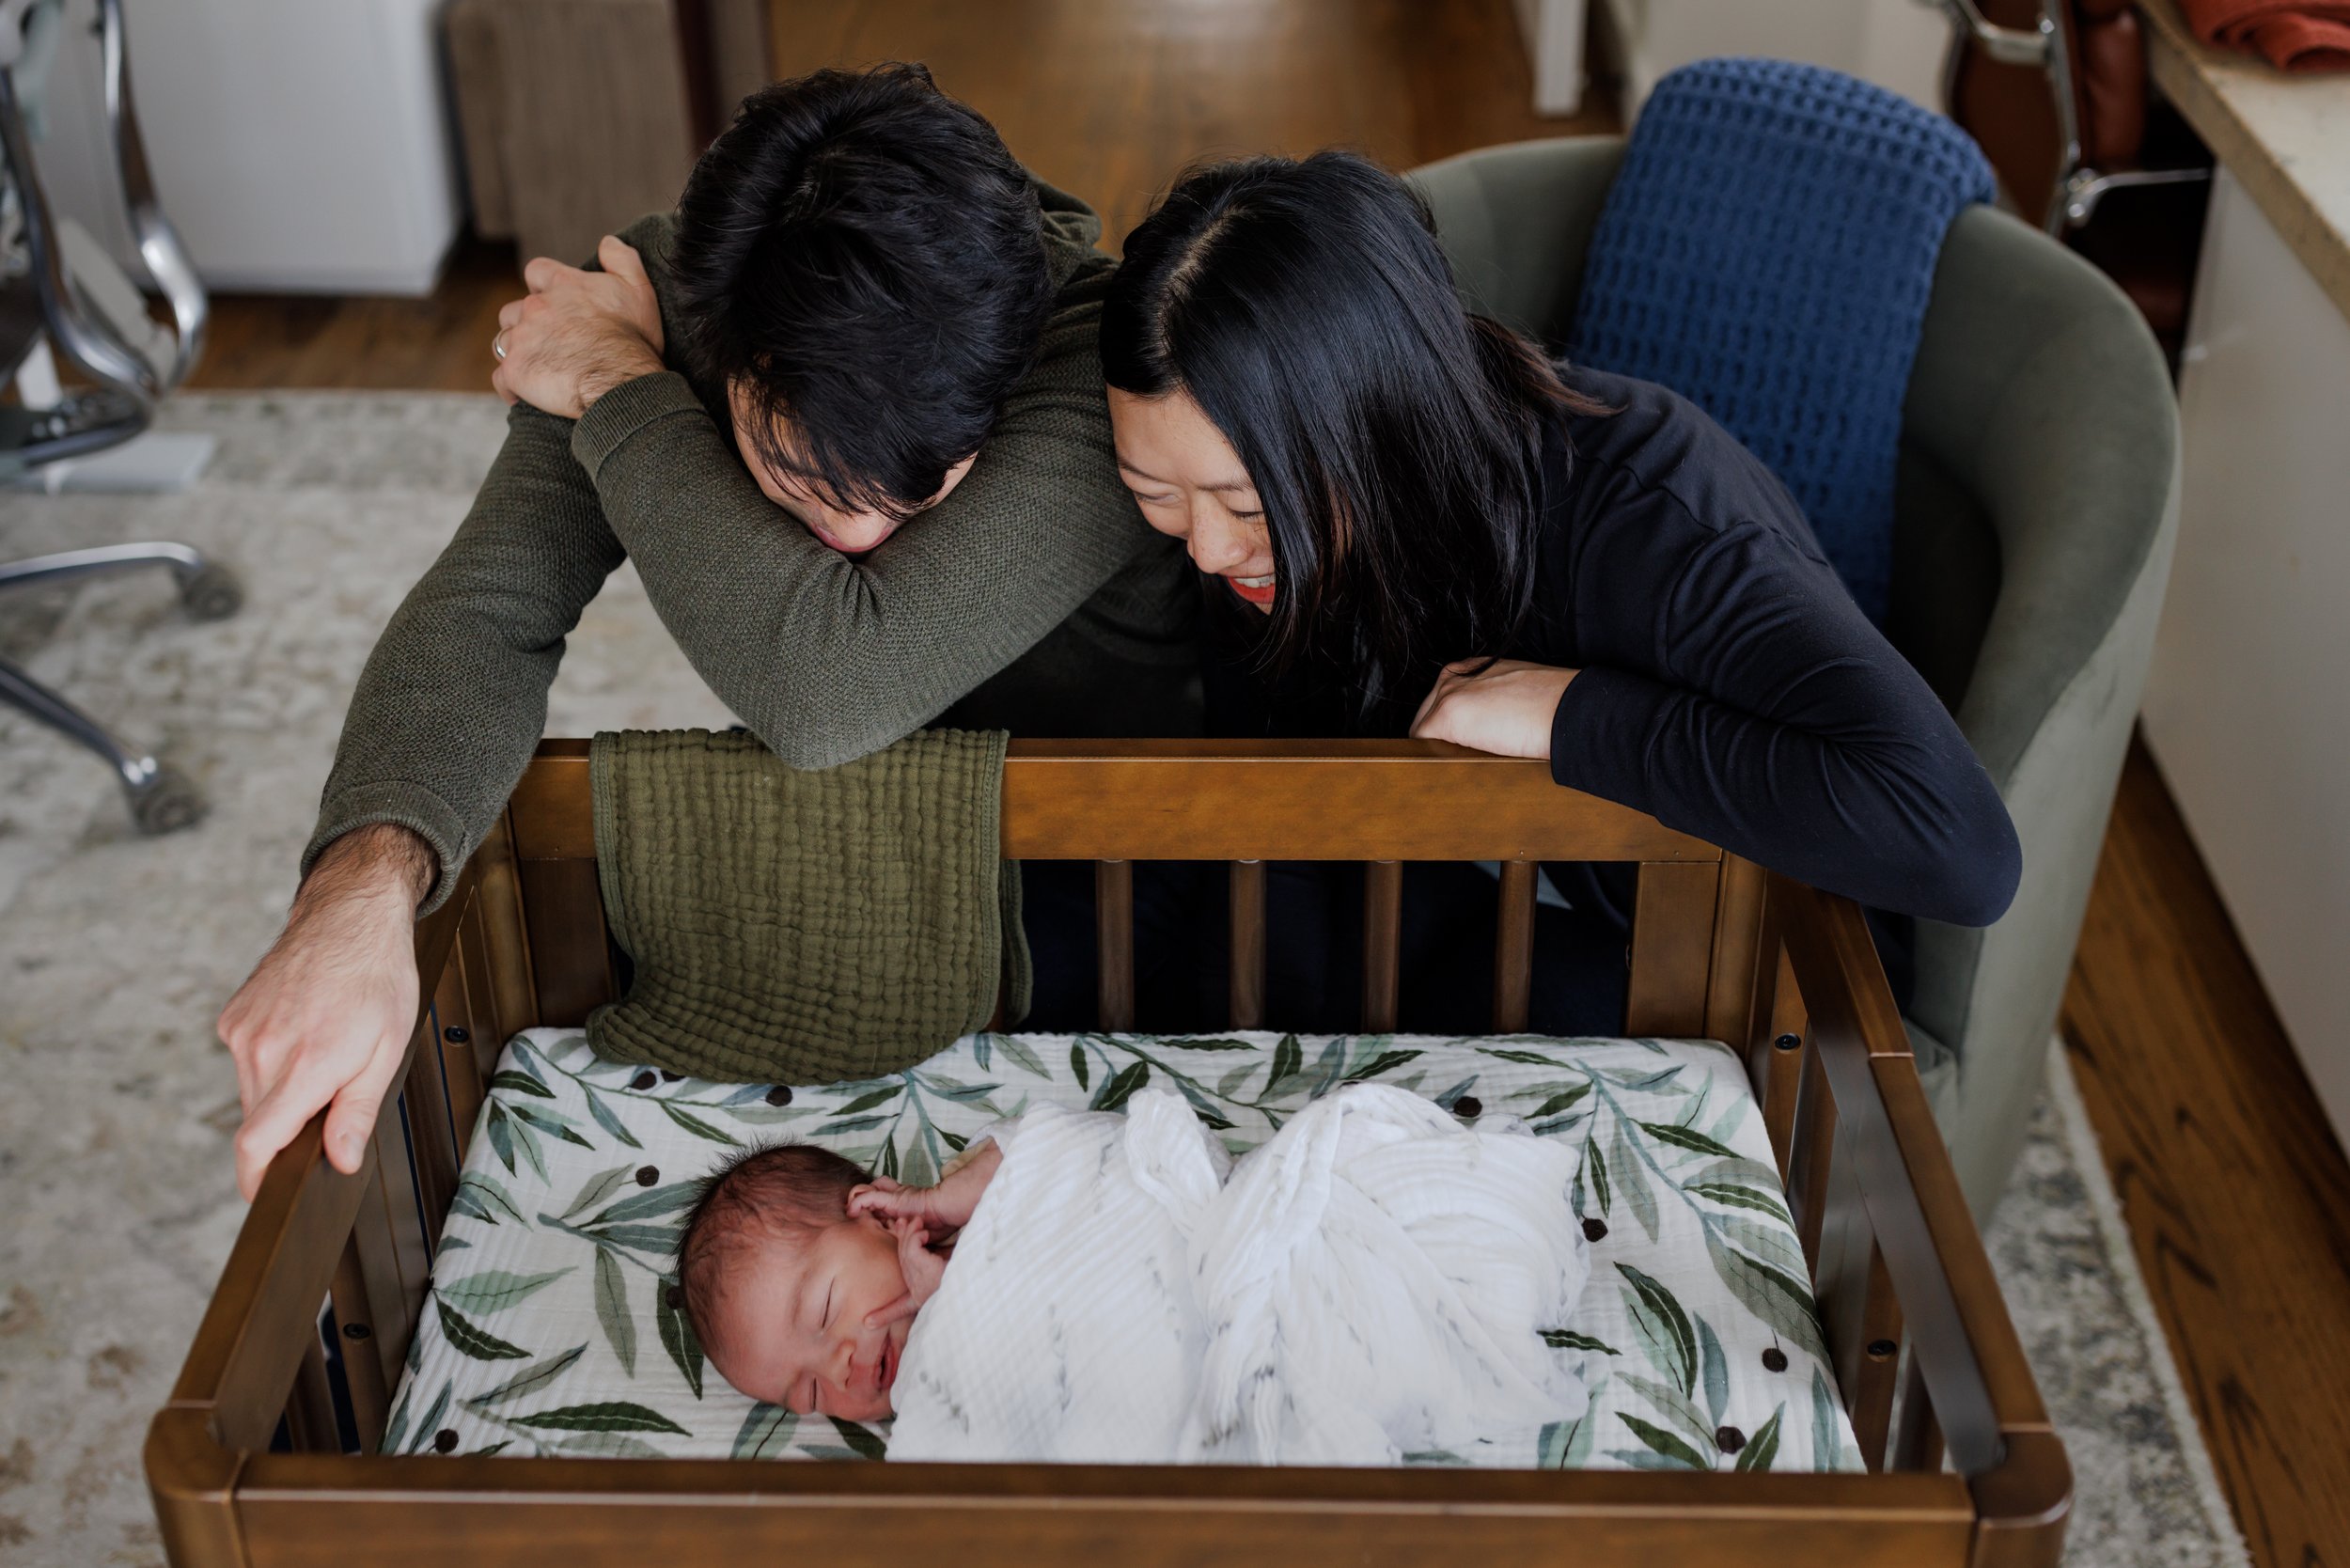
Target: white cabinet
[298, 145]
[1553, 30]
[2248, 705]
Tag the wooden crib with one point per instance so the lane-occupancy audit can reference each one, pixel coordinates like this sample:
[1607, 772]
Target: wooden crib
[1926, 1357]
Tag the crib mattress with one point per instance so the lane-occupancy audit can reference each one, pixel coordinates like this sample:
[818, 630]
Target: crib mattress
[553, 1328]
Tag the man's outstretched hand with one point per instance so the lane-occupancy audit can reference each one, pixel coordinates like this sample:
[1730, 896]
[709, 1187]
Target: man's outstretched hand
[326, 1014]
[578, 334]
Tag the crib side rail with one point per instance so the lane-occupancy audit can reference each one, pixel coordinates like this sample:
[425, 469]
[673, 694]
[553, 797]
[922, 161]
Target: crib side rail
[1719, 949]
[319, 1253]
[1911, 1308]
[330, 1267]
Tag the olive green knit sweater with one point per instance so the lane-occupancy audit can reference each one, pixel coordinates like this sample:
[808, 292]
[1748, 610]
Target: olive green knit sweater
[1034, 597]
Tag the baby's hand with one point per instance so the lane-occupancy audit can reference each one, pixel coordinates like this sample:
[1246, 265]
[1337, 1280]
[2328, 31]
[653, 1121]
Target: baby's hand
[922, 1267]
[945, 1208]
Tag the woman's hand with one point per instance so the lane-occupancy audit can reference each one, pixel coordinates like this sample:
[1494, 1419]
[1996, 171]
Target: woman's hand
[1504, 707]
[941, 1210]
[578, 334]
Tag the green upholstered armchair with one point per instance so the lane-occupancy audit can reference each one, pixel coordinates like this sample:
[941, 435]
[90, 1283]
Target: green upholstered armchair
[2037, 502]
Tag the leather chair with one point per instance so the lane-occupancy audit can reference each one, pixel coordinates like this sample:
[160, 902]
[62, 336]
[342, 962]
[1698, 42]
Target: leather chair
[2037, 500]
[2057, 95]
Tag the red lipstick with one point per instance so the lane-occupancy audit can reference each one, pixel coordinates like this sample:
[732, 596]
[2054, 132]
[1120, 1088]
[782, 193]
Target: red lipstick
[1261, 597]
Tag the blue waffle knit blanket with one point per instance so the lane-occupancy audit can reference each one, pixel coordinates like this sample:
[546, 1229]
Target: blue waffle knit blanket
[1767, 251]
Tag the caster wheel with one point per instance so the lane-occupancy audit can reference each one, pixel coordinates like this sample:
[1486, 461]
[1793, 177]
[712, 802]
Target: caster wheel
[168, 802]
[212, 592]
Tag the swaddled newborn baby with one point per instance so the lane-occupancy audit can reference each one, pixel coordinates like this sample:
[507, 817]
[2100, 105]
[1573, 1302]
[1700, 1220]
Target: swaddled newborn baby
[801, 1276]
[1372, 1281]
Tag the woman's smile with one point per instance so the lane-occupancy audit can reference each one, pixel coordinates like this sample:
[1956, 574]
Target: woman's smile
[1190, 485]
[1257, 590]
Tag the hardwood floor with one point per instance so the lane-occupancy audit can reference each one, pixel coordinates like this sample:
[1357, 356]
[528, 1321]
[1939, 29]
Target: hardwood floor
[1130, 91]
[1126, 94]
[440, 343]
[2236, 1191]
[2238, 1194]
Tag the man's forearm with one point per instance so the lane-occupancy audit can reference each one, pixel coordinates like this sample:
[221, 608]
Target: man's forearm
[824, 657]
[380, 860]
[453, 697]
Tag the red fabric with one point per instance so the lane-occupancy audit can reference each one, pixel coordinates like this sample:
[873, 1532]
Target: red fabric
[2295, 34]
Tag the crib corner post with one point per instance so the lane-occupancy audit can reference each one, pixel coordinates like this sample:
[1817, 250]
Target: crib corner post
[2022, 1503]
[192, 1480]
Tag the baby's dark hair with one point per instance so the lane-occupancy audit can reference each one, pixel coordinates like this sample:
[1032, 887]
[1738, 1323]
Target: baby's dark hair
[786, 1191]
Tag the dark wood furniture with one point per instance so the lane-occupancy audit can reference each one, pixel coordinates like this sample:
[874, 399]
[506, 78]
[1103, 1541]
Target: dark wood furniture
[1928, 1362]
[2058, 94]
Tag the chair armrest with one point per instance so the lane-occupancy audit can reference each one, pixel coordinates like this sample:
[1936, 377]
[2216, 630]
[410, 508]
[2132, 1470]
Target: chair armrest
[2039, 388]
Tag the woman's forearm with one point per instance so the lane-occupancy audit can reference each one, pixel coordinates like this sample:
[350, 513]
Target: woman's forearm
[1899, 815]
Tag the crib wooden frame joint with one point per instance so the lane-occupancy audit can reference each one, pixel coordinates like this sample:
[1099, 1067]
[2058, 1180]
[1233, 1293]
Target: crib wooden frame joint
[248, 1464]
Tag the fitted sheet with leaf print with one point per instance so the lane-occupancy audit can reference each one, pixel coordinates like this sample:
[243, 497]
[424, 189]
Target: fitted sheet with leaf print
[553, 1326]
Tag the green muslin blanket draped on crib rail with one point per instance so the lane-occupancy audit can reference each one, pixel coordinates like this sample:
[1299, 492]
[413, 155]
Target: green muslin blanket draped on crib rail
[795, 926]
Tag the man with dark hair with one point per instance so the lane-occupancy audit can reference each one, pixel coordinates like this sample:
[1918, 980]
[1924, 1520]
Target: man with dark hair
[864, 312]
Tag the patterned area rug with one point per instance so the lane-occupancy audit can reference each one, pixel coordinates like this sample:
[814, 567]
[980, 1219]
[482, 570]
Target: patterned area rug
[116, 952]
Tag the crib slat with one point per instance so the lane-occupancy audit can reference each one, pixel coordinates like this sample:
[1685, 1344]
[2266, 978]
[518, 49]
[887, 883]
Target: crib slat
[363, 1369]
[1248, 959]
[464, 1035]
[1383, 933]
[1514, 948]
[1113, 942]
[1875, 1362]
[1814, 1142]
[571, 959]
[311, 1408]
[1917, 1443]
[503, 963]
[486, 1001]
[388, 1237]
[432, 1141]
[1738, 930]
[1781, 1071]
[1673, 947]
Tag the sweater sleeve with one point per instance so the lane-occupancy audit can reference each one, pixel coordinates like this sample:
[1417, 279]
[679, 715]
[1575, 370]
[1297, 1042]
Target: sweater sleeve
[1770, 717]
[825, 656]
[452, 700]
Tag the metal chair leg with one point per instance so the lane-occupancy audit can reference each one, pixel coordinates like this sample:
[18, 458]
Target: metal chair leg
[208, 589]
[162, 797]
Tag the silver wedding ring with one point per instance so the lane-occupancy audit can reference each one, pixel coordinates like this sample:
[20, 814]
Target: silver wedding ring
[497, 344]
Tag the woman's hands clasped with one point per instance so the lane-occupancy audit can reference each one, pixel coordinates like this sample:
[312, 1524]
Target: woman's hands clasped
[1505, 706]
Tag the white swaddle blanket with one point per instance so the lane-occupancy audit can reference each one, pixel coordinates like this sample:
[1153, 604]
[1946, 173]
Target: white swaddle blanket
[1064, 1328]
[1371, 1282]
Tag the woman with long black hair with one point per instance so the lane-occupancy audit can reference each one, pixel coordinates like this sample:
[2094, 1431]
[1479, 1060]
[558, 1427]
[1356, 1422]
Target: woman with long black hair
[1410, 520]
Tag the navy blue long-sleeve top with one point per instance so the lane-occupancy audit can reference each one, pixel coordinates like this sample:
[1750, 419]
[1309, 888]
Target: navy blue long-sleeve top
[1727, 683]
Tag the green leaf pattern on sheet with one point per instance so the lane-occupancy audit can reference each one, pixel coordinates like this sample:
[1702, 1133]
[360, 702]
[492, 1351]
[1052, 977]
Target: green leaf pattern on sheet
[1696, 1335]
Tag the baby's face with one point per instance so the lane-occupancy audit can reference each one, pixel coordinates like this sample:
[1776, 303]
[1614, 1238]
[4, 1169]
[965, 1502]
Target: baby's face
[796, 1325]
